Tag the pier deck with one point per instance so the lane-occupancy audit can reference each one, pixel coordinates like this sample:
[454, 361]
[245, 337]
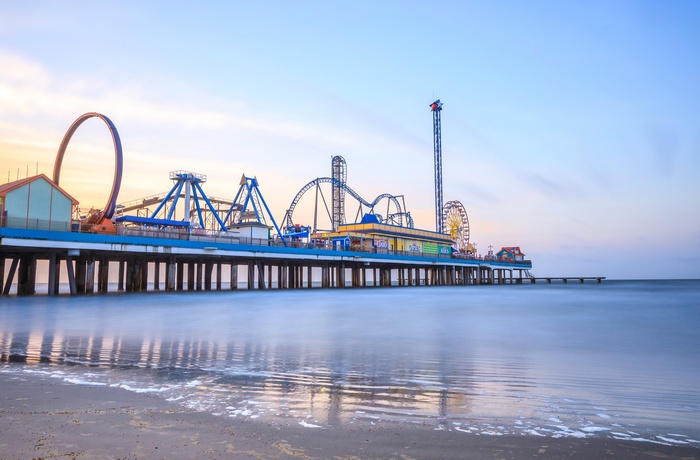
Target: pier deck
[153, 260]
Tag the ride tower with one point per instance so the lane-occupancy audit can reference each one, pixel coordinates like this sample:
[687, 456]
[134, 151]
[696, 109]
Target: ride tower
[436, 108]
[339, 172]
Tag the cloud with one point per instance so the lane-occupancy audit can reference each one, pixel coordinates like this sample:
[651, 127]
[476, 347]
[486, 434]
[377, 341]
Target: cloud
[476, 194]
[597, 178]
[579, 221]
[550, 188]
[21, 71]
[29, 91]
[21, 135]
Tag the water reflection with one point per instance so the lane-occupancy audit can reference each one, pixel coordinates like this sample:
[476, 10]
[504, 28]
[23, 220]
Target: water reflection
[332, 375]
[522, 360]
[288, 378]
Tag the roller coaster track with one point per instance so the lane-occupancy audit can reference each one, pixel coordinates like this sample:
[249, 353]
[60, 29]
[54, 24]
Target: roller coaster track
[108, 210]
[397, 217]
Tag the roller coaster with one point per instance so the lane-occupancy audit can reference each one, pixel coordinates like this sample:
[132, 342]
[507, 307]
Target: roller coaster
[398, 217]
[94, 217]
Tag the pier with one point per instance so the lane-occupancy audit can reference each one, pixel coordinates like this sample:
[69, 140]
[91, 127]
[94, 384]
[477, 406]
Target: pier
[145, 260]
[566, 279]
[183, 240]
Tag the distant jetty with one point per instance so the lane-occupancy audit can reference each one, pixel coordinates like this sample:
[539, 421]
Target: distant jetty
[566, 279]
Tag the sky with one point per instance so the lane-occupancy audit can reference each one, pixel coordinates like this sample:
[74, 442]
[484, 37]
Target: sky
[570, 129]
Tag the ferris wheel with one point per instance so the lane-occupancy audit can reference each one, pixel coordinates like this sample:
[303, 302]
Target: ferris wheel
[456, 224]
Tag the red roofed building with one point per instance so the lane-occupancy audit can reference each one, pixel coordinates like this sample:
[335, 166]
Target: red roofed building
[510, 253]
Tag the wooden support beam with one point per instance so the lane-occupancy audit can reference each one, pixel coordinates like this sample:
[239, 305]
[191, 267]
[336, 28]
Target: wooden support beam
[71, 276]
[80, 269]
[190, 276]
[120, 281]
[261, 274]
[200, 273]
[26, 278]
[251, 275]
[143, 275]
[180, 275]
[130, 268]
[234, 276]
[170, 275]
[103, 276]
[341, 275]
[57, 279]
[208, 269]
[156, 276]
[51, 285]
[2, 273]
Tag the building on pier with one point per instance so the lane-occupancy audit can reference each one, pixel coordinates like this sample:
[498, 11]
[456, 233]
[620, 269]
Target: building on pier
[36, 202]
[511, 253]
[388, 238]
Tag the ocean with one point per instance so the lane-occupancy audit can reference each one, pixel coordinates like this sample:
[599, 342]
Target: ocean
[617, 359]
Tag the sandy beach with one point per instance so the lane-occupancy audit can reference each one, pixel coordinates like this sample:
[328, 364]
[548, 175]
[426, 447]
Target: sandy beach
[42, 417]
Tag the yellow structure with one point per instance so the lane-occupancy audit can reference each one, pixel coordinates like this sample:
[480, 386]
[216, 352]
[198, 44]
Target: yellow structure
[383, 237]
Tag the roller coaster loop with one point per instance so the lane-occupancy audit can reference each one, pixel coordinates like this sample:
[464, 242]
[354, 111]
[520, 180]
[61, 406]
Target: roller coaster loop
[396, 217]
[111, 205]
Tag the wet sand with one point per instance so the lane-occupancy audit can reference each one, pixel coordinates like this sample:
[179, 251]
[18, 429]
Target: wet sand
[41, 418]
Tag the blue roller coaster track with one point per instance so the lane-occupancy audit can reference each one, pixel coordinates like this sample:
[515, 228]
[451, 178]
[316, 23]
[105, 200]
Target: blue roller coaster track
[396, 218]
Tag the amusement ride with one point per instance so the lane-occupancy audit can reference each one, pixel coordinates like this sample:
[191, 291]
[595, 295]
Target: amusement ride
[395, 206]
[452, 217]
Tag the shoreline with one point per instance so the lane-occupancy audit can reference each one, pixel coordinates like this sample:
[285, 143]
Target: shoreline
[42, 417]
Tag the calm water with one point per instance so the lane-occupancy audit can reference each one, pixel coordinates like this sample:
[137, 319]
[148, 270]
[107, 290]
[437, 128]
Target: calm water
[618, 359]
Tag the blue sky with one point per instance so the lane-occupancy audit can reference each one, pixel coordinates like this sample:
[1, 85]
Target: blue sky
[569, 129]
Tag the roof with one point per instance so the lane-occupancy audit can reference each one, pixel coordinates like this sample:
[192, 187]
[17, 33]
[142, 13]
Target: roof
[384, 233]
[515, 250]
[387, 231]
[152, 221]
[10, 186]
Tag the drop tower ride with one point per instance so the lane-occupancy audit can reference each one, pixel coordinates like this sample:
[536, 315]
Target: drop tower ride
[436, 108]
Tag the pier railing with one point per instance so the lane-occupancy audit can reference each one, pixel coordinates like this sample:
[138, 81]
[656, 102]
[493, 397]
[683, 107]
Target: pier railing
[35, 224]
[214, 237]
